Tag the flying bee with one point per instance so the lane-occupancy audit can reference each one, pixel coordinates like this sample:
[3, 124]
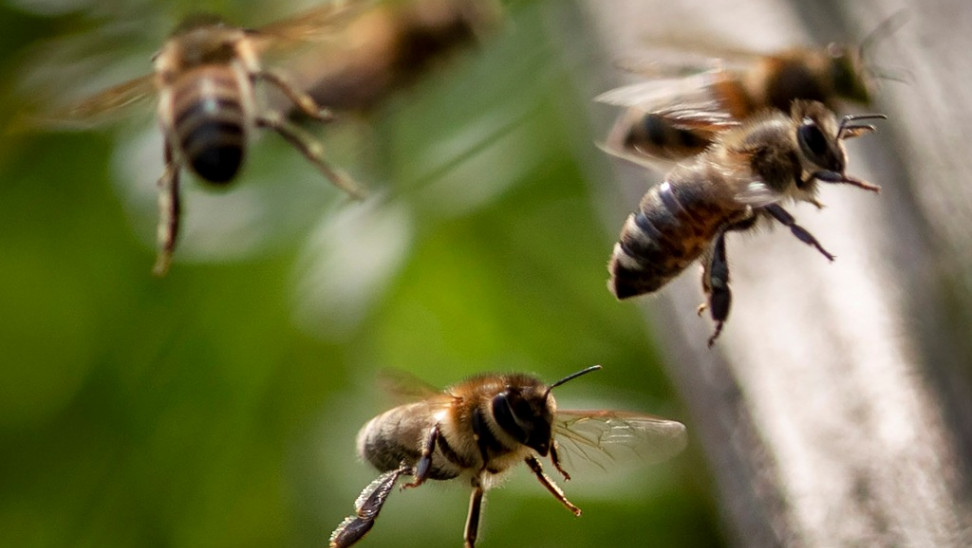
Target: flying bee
[206, 80]
[477, 430]
[391, 45]
[743, 176]
[670, 119]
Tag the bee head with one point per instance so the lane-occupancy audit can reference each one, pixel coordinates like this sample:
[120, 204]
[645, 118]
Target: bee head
[816, 134]
[526, 415]
[820, 139]
[526, 411]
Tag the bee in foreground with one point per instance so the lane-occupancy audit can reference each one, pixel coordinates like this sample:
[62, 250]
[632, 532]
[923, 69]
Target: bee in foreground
[670, 119]
[744, 176]
[477, 430]
[206, 77]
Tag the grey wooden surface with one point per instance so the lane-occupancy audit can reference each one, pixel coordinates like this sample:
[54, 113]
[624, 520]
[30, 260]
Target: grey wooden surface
[835, 407]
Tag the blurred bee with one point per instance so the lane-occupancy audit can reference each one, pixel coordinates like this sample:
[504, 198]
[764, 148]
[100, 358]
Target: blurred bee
[479, 429]
[389, 46]
[206, 77]
[743, 176]
[670, 119]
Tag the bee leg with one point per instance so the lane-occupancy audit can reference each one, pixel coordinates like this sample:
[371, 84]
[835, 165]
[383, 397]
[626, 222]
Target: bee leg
[801, 233]
[303, 101]
[424, 464]
[534, 465]
[311, 149]
[715, 282]
[169, 212]
[555, 459]
[472, 519]
[366, 509]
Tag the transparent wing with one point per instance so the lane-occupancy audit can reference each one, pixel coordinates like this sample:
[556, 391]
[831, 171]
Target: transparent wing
[606, 438]
[72, 81]
[686, 103]
[318, 24]
[687, 49]
[98, 108]
[668, 119]
[404, 387]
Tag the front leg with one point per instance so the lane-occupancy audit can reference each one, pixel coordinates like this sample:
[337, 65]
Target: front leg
[169, 211]
[367, 506]
[801, 233]
[534, 465]
[555, 459]
[424, 464]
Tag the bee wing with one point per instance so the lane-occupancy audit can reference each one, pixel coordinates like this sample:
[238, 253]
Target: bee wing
[683, 104]
[318, 24]
[651, 93]
[687, 103]
[605, 438]
[98, 108]
[696, 49]
[404, 387]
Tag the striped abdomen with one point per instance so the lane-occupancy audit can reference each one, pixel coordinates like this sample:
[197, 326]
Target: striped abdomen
[397, 436]
[672, 227]
[210, 122]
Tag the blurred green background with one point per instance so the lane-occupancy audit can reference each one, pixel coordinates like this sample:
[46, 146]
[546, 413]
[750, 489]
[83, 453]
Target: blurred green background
[218, 406]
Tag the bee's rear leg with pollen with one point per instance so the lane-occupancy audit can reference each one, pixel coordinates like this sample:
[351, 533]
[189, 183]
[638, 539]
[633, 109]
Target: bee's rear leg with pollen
[366, 507]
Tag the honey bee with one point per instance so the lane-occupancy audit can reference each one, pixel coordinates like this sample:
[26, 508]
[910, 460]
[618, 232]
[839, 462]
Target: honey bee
[479, 429]
[389, 46]
[743, 176]
[670, 119]
[206, 80]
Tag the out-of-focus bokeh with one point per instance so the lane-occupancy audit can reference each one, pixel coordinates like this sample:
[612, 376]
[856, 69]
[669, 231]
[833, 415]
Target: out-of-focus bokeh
[218, 406]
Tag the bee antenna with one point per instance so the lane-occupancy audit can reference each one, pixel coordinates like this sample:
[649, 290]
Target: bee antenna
[570, 377]
[848, 128]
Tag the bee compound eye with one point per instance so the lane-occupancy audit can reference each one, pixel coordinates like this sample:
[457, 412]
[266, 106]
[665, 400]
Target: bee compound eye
[816, 147]
[505, 414]
[811, 138]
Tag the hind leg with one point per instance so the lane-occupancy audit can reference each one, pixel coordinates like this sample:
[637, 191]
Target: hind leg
[715, 277]
[369, 503]
[715, 283]
[169, 212]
